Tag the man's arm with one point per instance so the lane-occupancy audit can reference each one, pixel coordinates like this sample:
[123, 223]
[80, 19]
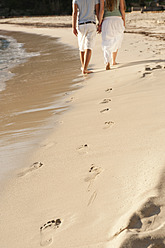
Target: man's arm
[101, 12]
[97, 8]
[122, 10]
[74, 19]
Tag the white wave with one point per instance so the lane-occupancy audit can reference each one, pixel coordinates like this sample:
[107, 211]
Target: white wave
[12, 53]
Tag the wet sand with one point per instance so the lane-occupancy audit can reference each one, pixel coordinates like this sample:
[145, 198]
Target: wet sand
[35, 96]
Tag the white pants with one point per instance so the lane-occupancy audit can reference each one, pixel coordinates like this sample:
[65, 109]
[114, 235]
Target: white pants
[112, 35]
[86, 36]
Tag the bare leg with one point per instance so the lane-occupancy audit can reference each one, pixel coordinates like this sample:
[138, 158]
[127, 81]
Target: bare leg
[82, 59]
[88, 54]
[114, 58]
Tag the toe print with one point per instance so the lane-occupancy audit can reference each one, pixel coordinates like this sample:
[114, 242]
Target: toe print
[108, 124]
[104, 110]
[83, 149]
[47, 232]
[108, 90]
[33, 167]
[106, 100]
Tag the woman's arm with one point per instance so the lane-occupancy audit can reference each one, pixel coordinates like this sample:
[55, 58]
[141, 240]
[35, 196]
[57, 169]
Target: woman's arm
[74, 19]
[122, 10]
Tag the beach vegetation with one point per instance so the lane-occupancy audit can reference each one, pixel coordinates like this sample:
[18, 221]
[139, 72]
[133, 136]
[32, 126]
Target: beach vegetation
[12, 8]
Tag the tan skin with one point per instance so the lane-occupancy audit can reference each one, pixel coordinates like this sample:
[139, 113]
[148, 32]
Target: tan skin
[84, 56]
[101, 14]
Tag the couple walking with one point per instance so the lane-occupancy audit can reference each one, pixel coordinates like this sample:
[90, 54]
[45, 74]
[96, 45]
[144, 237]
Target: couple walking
[111, 23]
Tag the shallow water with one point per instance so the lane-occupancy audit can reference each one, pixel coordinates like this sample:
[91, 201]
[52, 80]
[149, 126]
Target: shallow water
[12, 53]
[34, 97]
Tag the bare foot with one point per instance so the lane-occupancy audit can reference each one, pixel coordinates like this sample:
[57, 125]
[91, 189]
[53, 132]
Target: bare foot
[108, 66]
[114, 63]
[86, 72]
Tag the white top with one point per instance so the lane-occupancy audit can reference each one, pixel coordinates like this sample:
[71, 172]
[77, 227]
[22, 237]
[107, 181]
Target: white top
[86, 10]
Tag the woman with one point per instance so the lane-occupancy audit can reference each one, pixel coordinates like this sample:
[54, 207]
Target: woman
[112, 25]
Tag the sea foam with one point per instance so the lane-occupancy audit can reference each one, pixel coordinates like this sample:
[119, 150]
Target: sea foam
[12, 53]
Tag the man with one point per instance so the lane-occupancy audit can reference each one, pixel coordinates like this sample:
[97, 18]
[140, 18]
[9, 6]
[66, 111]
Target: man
[85, 9]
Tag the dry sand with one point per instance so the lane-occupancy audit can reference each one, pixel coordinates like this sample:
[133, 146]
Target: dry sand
[99, 180]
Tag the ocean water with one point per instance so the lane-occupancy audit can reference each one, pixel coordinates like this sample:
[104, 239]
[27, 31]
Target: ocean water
[12, 53]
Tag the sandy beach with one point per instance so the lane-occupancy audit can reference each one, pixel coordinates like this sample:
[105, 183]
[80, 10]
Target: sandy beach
[97, 179]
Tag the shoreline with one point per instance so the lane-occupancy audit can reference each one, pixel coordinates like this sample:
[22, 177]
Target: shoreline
[25, 115]
[102, 180]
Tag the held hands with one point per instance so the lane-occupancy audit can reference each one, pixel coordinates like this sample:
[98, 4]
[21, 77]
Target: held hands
[75, 31]
[98, 29]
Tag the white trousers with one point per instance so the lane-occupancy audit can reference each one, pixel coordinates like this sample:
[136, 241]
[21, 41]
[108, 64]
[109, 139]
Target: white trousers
[86, 36]
[112, 35]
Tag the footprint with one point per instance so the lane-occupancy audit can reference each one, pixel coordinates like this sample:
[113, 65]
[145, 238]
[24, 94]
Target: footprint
[94, 169]
[108, 90]
[157, 67]
[106, 100]
[134, 222]
[108, 124]
[94, 172]
[104, 110]
[46, 232]
[148, 68]
[70, 100]
[83, 148]
[149, 209]
[48, 145]
[145, 241]
[33, 167]
[141, 221]
[66, 94]
[58, 122]
[146, 73]
[157, 244]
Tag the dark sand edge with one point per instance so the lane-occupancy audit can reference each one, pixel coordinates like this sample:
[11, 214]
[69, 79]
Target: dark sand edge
[41, 25]
[36, 85]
